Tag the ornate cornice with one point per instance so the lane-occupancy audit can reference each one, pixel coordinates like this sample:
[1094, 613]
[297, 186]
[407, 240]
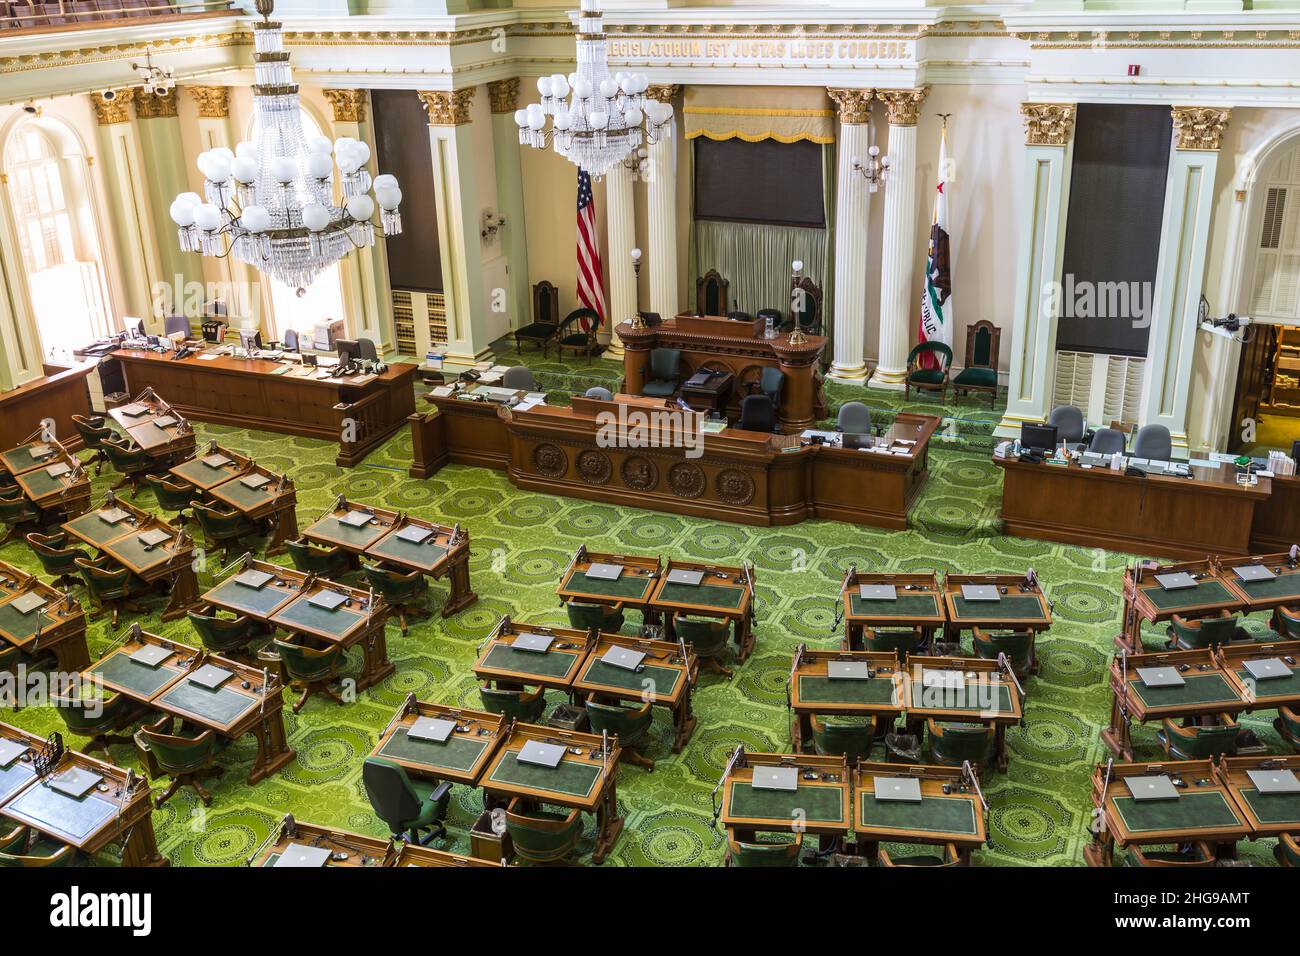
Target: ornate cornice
[1199, 127]
[115, 110]
[902, 106]
[1048, 124]
[348, 106]
[448, 107]
[148, 106]
[504, 95]
[213, 102]
[854, 105]
[664, 92]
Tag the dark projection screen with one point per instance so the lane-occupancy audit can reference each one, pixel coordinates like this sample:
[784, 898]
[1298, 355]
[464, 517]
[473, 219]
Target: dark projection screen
[402, 135]
[1112, 235]
[765, 182]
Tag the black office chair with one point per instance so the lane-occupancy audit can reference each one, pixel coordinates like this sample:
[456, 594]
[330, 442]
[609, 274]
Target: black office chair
[854, 419]
[773, 314]
[739, 316]
[366, 350]
[604, 394]
[519, 376]
[176, 323]
[1069, 423]
[1107, 441]
[1153, 442]
[757, 414]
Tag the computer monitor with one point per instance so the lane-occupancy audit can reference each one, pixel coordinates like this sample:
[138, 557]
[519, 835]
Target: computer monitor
[1295, 450]
[250, 339]
[1038, 437]
[348, 350]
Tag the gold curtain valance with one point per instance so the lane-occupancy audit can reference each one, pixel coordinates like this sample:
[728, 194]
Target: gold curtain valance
[785, 114]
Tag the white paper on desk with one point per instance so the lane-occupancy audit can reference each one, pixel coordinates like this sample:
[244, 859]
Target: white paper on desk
[443, 391]
[1264, 474]
[818, 433]
[535, 396]
[1202, 463]
[526, 404]
[207, 358]
[1221, 457]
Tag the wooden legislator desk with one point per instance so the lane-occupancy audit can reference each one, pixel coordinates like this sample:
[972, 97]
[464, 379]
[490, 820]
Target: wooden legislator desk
[715, 342]
[58, 395]
[358, 412]
[1158, 515]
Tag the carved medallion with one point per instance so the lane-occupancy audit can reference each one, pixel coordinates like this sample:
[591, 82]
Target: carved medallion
[640, 473]
[550, 460]
[686, 480]
[594, 467]
[735, 487]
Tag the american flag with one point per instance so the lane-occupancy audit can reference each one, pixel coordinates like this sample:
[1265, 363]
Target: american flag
[591, 281]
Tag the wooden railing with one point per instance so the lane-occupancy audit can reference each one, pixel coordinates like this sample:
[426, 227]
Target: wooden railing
[30, 16]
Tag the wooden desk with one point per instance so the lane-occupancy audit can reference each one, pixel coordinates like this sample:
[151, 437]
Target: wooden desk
[1280, 591]
[347, 849]
[356, 621]
[118, 809]
[956, 817]
[810, 691]
[1146, 600]
[152, 424]
[58, 395]
[585, 779]
[275, 501]
[1277, 518]
[58, 627]
[876, 488]
[412, 854]
[359, 413]
[1269, 814]
[56, 496]
[262, 603]
[989, 695]
[249, 702]
[632, 589]
[1181, 518]
[461, 758]
[1262, 694]
[1021, 606]
[724, 593]
[819, 805]
[1205, 810]
[198, 474]
[500, 663]
[715, 342]
[666, 678]
[919, 602]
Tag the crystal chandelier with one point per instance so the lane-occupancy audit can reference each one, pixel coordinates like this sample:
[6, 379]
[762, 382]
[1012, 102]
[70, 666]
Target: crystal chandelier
[271, 202]
[601, 124]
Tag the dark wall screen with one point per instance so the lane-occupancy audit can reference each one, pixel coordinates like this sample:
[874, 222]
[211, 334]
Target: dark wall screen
[402, 136]
[765, 182]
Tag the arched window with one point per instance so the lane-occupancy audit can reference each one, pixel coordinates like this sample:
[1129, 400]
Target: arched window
[49, 193]
[1276, 289]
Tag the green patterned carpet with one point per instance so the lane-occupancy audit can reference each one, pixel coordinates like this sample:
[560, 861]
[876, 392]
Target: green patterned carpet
[521, 544]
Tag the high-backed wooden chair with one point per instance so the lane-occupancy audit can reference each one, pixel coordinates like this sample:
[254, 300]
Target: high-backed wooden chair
[983, 340]
[546, 318]
[711, 294]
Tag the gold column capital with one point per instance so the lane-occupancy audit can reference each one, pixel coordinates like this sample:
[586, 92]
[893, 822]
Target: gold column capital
[148, 106]
[504, 95]
[347, 106]
[1048, 124]
[448, 107]
[1199, 127]
[902, 107]
[213, 102]
[854, 105]
[112, 106]
[664, 92]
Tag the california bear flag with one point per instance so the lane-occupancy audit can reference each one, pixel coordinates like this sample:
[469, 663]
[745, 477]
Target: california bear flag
[936, 300]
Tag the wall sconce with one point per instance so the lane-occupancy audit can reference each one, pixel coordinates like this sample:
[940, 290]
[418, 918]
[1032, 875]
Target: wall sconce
[492, 223]
[875, 170]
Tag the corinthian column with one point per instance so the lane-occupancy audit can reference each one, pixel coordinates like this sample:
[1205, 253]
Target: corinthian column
[851, 213]
[620, 217]
[898, 245]
[661, 203]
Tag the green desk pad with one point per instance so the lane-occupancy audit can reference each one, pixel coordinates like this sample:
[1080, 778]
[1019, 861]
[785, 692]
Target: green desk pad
[1285, 585]
[939, 814]
[130, 550]
[814, 804]
[20, 458]
[905, 606]
[664, 679]
[61, 814]
[1271, 808]
[98, 530]
[504, 657]
[1282, 687]
[256, 601]
[236, 493]
[1205, 592]
[422, 555]
[705, 595]
[200, 474]
[141, 681]
[457, 753]
[149, 435]
[943, 699]
[330, 527]
[14, 777]
[222, 706]
[626, 585]
[1206, 810]
[1010, 607]
[305, 614]
[1208, 688]
[823, 690]
[39, 483]
[19, 627]
[570, 778]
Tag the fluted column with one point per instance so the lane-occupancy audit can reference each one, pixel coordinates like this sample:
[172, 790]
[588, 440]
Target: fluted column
[661, 206]
[851, 216]
[898, 244]
[503, 96]
[620, 229]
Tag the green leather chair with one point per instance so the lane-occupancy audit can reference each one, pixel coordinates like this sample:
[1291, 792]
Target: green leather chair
[1287, 851]
[407, 806]
[102, 720]
[1288, 623]
[1288, 725]
[899, 640]
[598, 617]
[981, 371]
[630, 724]
[15, 840]
[1015, 644]
[110, 586]
[222, 529]
[847, 737]
[1197, 854]
[17, 514]
[187, 760]
[17, 850]
[223, 635]
[931, 856]
[10, 658]
[58, 560]
[131, 463]
[708, 637]
[326, 562]
[93, 430]
[1199, 743]
[540, 836]
[951, 744]
[401, 591]
[310, 669]
[664, 372]
[742, 853]
[577, 331]
[928, 379]
[174, 497]
[521, 705]
[1185, 635]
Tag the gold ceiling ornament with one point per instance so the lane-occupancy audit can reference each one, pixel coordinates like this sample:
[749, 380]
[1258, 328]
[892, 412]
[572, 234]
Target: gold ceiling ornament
[854, 105]
[1048, 124]
[902, 106]
[504, 95]
[664, 92]
[112, 106]
[348, 106]
[448, 107]
[148, 106]
[213, 102]
[1199, 127]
